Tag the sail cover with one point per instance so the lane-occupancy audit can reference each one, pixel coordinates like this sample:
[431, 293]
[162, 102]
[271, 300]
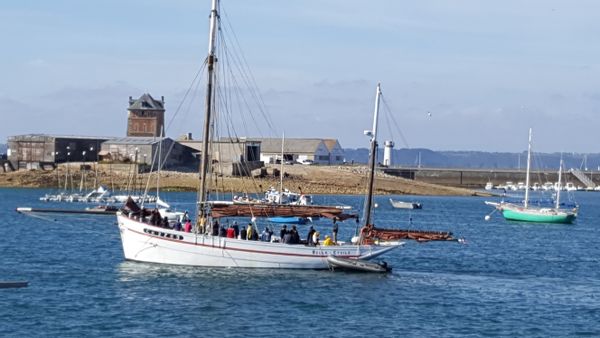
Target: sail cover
[277, 210]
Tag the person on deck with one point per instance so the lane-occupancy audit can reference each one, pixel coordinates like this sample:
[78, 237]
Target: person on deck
[250, 232]
[188, 226]
[215, 228]
[287, 238]
[315, 238]
[155, 217]
[282, 232]
[236, 228]
[177, 226]
[335, 230]
[266, 235]
[243, 233]
[201, 225]
[309, 236]
[295, 235]
[327, 240]
[230, 232]
[165, 222]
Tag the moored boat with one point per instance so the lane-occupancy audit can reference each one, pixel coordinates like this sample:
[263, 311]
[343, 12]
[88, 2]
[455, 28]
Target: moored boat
[405, 205]
[529, 213]
[341, 263]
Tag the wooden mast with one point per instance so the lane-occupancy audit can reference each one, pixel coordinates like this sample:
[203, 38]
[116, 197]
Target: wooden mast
[204, 163]
[372, 159]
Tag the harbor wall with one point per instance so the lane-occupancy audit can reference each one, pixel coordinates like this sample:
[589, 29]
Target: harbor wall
[476, 179]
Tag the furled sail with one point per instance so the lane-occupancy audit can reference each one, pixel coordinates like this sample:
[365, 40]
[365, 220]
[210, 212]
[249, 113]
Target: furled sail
[273, 210]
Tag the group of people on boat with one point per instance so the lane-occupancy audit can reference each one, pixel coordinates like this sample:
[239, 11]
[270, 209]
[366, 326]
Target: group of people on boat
[249, 232]
[182, 223]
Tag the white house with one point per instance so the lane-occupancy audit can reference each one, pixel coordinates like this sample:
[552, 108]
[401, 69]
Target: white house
[320, 151]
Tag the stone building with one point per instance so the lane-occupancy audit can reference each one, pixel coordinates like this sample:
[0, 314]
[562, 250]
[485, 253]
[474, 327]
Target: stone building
[231, 157]
[38, 151]
[146, 117]
[148, 150]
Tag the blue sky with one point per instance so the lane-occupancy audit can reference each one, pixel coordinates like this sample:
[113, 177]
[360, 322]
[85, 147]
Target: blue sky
[487, 71]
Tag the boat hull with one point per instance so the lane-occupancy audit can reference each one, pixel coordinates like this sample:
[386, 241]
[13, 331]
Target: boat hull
[146, 243]
[538, 215]
[405, 205]
[289, 220]
[356, 265]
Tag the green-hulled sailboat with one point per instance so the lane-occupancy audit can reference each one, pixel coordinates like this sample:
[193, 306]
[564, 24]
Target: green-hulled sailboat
[527, 213]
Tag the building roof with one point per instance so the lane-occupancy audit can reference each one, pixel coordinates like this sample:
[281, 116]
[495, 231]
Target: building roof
[133, 140]
[146, 102]
[330, 143]
[50, 136]
[291, 145]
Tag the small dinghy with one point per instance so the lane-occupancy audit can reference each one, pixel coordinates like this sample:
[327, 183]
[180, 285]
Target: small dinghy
[13, 284]
[336, 262]
[405, 205]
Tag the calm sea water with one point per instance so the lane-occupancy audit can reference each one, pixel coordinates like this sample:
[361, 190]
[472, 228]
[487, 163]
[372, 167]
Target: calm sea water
[510, 279]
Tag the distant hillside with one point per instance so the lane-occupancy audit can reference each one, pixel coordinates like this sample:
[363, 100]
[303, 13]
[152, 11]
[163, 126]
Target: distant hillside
[476, 159]
[3, 148]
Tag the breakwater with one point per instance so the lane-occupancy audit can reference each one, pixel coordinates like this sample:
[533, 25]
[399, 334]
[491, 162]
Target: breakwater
[477, 178]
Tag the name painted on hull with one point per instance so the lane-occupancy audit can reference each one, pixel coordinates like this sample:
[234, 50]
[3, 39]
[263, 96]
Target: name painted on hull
[332, 252]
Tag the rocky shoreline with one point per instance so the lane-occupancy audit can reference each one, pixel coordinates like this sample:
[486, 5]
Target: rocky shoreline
[343, 180]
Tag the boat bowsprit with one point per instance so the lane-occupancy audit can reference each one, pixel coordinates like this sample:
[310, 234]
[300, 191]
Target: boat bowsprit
[341, 263]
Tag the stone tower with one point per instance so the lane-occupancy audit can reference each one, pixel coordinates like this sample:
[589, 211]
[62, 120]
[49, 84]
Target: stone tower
[146, 116]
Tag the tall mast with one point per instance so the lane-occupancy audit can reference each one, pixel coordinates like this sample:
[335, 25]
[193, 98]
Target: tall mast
[372, 159]
[281, 170]
[211, 59]
[559, 184]
[528, 168]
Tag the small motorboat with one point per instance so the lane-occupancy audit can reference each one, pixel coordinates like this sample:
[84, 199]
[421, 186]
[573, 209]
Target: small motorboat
[405, 205]
[341, 263]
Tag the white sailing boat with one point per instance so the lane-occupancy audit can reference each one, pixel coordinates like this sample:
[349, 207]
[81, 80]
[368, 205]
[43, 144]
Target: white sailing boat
[148, 243]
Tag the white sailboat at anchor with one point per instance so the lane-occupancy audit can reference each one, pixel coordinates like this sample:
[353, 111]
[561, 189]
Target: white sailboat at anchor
[147, 243]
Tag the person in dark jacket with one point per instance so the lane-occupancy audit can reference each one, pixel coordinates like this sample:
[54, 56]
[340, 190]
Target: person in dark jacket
[243, 233]
[309, 236]
[215, 228]
[335, 230]
[295, 235]
[177, 226]
[155, 217]
[165, 222]
[236, 229]
[287, 238]
[282, 232]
